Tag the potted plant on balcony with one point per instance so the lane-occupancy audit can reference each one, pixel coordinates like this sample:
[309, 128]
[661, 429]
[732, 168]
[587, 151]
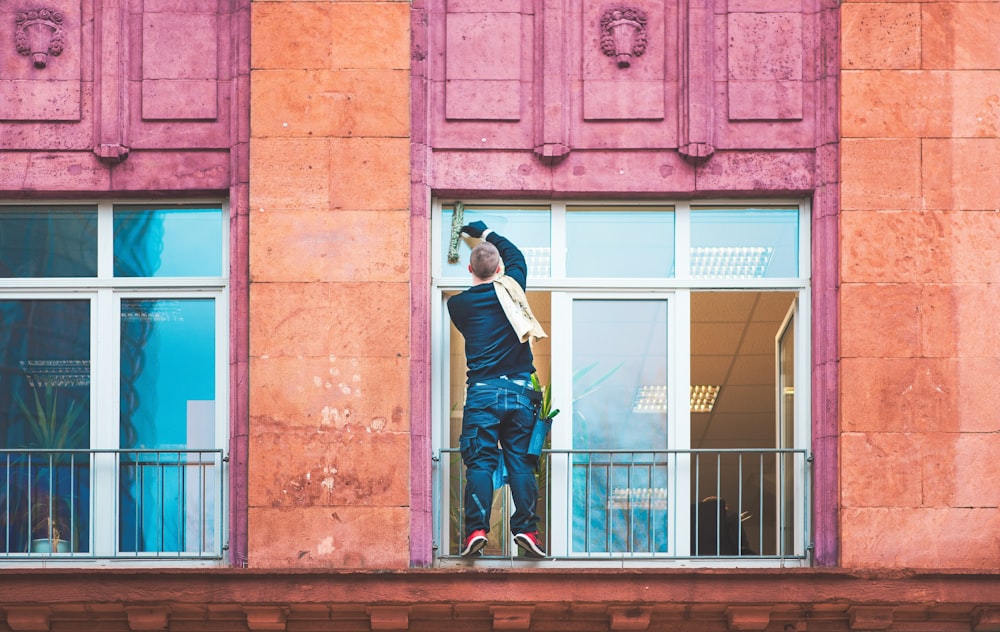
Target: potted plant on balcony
[543, 424]
[41, 511]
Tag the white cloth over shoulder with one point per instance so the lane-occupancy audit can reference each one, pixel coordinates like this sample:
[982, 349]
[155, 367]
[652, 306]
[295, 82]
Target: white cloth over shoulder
[515, 306]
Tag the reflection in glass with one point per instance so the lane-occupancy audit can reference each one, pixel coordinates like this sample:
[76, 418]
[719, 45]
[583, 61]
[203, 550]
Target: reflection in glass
[167, 242]
[619, 500]
[36, 242]
[528, 228]
[168, 405]
[605, 242]
[744, 243]
[44, 406]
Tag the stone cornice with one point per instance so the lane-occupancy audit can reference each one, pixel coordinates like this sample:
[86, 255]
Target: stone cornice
[717, 599]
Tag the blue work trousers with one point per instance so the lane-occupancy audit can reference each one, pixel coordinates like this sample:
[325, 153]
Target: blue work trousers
[496, 416]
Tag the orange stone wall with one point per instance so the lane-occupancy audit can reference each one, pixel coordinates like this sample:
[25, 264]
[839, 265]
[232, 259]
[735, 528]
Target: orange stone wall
[920, 345]
[329, 447]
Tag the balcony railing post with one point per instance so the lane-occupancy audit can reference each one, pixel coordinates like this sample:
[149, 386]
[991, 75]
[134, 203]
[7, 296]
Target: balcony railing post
[607, 504]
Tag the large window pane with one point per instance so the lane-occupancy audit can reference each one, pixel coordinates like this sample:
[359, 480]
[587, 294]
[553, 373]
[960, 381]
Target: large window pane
[619, 403]
[37, 242]
[168, 242]
[609, 242]
[528, 228]
[167, 412]
[744, 243]
[44, 411]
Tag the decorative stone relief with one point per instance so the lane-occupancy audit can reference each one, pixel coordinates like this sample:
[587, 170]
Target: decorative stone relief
[39, 33]
[623, 34]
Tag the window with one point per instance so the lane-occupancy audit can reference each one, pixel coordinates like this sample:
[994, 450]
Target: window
[113, 387]
[678, 356]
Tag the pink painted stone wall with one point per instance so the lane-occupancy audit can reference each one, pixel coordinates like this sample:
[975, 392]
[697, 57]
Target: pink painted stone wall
[330, 294]
[920, 347]
[517, 98]
[522, 97]
[122, 107]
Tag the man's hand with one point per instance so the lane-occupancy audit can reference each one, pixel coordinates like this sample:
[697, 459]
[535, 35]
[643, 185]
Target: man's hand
[475, 229]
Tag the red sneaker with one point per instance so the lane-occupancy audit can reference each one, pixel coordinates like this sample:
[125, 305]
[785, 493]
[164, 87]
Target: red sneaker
[530, 543]
[474, 543]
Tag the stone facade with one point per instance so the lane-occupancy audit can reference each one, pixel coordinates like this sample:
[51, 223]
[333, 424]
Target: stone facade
[329, 125]
[329, 285]
[918, 212]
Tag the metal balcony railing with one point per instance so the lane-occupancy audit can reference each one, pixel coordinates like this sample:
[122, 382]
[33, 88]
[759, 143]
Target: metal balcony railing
[107, 503]
[651, 504]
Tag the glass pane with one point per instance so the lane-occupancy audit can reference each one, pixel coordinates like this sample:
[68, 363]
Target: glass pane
[168, 362]
[45, 404]
[619, 403]
[604, 242]
[168, 242]
[744, 243]
[733, 487]
[528, 228]
[37, 242]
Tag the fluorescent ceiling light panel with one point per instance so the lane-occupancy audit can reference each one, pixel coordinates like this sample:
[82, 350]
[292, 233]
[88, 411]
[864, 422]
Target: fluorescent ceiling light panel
[703, 398]
[730, 262]
[652, 398]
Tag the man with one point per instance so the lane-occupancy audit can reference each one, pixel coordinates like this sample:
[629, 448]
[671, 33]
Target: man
[500, 403]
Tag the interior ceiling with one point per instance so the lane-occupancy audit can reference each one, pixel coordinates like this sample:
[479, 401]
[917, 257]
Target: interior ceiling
[733, 346]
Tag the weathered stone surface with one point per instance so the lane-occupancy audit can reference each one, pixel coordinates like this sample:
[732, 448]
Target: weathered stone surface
[324, 319]
[324, 103]
[915, 247]
[329, 537]
[880, 35]
[892, 458]
[952, 34]
[306, 395]
[920, 537]
[880, 320]
[867, 183]
[342, 464]
[909, 395]
[895, 104]
[958, 173]
[289, 174]
[375, 170]
[287, 35]
[324, 246]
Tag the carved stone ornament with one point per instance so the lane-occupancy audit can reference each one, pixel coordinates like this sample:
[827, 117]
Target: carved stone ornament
[623, 34]
[39, 33]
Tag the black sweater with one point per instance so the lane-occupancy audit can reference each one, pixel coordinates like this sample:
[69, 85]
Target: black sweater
[491, 346]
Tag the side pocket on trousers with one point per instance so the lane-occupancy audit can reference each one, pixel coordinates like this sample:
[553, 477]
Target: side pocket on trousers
[468, 446]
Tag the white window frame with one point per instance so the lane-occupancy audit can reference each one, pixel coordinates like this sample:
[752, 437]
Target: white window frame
[105, 293]
[677, 290]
